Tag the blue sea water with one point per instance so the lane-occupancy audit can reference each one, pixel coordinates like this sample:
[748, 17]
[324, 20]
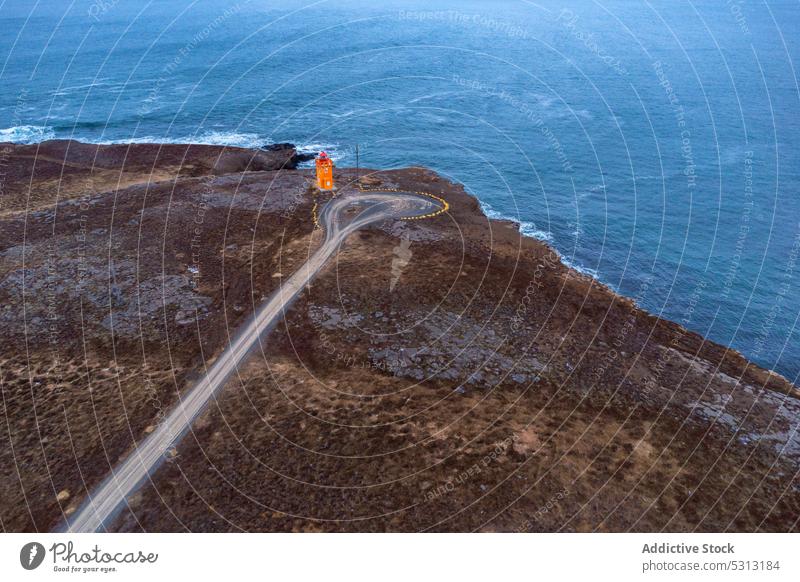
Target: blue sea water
[655, 144]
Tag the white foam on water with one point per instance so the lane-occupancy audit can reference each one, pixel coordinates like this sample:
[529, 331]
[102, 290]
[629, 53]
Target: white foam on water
[334, 151]
[29, 134]
[579, 268]
[437, 95]
[220, 138]
[529, 229]
[525, 228]
[26, 134]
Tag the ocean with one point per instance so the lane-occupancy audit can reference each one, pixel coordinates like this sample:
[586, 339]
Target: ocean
[655, 145]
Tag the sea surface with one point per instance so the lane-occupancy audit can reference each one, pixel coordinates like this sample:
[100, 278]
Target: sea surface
[655, 145]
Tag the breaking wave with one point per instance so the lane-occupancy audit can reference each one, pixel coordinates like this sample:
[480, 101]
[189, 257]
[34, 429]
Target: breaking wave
[26, 134]
[525, 228]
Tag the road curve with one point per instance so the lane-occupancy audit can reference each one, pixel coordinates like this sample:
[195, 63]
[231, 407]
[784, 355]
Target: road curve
[339, 217]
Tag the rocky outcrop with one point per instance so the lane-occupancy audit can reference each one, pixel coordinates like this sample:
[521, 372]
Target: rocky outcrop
[296, 157]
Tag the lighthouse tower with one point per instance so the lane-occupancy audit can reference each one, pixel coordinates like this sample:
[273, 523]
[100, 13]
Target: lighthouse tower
[324, 172]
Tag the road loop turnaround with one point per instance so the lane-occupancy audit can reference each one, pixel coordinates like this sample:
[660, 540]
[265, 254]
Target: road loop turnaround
[102, 505]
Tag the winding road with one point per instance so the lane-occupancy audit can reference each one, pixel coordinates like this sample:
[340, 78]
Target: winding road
[340, 217]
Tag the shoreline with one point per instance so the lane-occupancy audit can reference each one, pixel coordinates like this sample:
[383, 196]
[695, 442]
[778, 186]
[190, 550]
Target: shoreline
[590, 275]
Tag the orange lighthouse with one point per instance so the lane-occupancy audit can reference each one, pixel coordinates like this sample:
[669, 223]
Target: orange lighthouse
[324, 172]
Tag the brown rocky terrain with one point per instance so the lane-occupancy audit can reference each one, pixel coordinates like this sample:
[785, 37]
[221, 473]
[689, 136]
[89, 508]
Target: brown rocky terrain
[443, 374]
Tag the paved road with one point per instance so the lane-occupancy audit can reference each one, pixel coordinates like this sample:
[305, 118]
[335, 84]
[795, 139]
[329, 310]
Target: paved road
[339, 217]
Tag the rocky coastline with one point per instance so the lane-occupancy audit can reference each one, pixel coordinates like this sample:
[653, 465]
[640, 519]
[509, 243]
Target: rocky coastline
[446, 374]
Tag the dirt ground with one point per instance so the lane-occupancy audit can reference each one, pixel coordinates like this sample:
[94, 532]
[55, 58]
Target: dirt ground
[439, 375]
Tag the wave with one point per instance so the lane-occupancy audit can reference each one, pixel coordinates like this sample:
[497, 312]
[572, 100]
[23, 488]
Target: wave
[316, 147]
[31, 134]
[529, 229]
[593, 273]
[580, 269]
[589, 272]
[220, 138]
[334, 151]
[26, 134]
[107, 84]
[61, 91]
[434, 96]
[525, 228]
